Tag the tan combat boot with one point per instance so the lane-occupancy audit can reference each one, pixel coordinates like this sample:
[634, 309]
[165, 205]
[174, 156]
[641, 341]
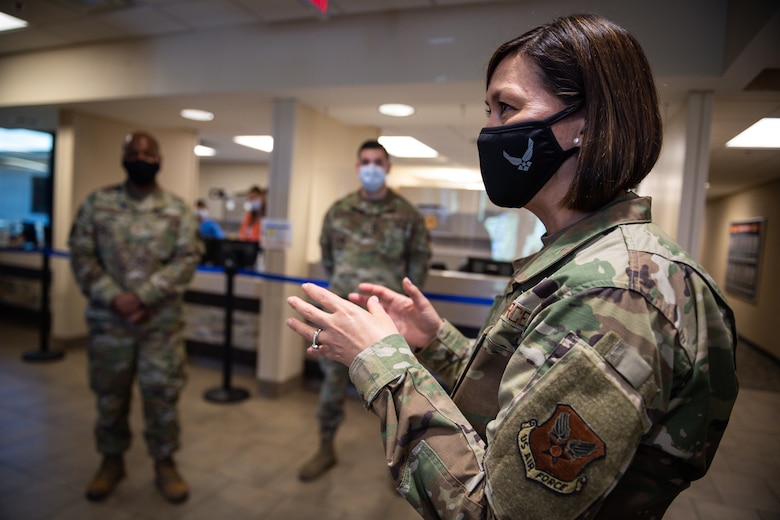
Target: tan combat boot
[322, 461]
[111, 471]
[169, 482]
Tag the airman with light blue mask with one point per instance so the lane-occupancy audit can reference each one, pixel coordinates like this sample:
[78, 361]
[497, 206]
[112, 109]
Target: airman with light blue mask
[372, 234]
[373, 167]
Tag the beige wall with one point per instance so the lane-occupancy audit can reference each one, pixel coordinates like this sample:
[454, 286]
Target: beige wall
[664, 182]
[231, 177]
[312, 165]
[754, 319]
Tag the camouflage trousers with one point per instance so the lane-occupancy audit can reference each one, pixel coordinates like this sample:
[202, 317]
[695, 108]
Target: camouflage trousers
[330, 411]
[154, 354]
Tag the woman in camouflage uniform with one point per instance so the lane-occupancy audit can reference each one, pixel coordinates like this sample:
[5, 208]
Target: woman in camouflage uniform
[603, 378]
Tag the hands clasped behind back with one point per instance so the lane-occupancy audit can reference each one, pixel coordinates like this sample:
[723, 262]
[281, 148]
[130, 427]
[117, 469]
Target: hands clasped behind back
[349, 327]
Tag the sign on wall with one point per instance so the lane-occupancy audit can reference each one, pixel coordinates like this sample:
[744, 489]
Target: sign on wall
[744, 257]
[277, 233]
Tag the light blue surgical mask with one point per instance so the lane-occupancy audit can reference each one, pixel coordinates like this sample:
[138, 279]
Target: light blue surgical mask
[372, 177]
[253, 205]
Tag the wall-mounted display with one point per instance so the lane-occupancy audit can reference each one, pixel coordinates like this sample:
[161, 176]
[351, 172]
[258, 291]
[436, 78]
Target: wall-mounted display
[742, 271]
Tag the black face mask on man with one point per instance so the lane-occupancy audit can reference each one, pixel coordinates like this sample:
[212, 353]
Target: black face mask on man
[141, 173]
[517, 160]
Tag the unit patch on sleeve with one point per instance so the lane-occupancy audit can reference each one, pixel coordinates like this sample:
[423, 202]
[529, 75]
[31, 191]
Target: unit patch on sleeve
[556, 452]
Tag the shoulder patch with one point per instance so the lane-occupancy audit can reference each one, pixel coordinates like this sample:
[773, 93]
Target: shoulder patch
[556, 452]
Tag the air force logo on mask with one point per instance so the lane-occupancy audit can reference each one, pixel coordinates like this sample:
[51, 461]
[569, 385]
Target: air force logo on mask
[523, 163]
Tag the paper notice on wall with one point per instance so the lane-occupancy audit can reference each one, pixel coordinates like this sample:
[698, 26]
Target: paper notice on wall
[277, 234]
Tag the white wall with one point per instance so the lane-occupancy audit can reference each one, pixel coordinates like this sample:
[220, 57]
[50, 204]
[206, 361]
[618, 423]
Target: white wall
[230, 177]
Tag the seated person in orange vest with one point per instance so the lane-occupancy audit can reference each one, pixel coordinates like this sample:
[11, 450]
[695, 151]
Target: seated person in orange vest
[251, 228]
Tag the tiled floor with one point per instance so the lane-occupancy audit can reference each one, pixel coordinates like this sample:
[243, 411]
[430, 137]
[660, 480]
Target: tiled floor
[241, 458]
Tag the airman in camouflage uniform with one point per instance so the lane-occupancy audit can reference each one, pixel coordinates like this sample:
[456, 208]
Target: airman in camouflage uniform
[134, 249]
[611, 353]
[604, 376]
[371, 235]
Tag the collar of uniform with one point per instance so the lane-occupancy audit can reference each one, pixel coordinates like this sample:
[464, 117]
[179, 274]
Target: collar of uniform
[373, 207]
[628, 209]
[153, 199]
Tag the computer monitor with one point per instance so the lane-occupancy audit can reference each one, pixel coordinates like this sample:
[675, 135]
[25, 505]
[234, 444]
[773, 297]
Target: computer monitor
[243, 254]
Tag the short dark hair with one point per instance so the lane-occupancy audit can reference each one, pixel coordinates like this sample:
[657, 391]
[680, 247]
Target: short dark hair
[257, 190]
[590, 61]
[373, 144]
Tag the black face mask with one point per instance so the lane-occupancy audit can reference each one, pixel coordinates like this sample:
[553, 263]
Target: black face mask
[517, 160]
[141, 173]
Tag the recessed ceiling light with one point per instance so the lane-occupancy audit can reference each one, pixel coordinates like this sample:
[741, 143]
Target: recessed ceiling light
[196, 115]
[407, 146]
[441, 40]
[396, 109]
[264, 143]
[9, 23]
[764, 133]
[205, 151]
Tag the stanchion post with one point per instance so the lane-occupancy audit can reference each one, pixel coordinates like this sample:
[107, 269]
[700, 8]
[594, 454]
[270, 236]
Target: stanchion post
[43, 353]
[226, 393]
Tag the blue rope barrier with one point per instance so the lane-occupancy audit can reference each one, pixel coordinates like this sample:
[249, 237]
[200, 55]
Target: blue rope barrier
[452, 298]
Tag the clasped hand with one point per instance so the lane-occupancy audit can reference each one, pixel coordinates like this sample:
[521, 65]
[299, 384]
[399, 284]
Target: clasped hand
[350, 326]
[129, 306]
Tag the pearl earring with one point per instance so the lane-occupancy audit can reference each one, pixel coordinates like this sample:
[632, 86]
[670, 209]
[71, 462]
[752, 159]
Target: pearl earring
[576, 141]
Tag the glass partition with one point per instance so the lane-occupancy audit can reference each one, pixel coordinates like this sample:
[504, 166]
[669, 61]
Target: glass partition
[26, 159]
[465, 226]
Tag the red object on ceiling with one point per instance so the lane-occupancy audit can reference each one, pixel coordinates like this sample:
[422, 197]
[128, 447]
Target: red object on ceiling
[322, 5]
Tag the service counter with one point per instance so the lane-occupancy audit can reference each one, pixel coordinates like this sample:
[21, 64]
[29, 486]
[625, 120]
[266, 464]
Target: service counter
[20, 279]
[204, 314]
[463, 298]
[460, 292]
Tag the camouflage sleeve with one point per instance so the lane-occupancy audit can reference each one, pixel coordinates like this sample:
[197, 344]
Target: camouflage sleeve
[581, 352]
[172, 279]
[326, 247]
[419, 252]
[434, 455]
[606, 345]
[91, 277]
[447, 353]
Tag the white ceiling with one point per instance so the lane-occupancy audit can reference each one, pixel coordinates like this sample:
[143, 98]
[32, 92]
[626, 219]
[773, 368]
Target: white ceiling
[685, 40]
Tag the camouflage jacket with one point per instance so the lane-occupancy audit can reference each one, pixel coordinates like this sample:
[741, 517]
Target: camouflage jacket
[148, 246]
[600, 385]
[374, 241]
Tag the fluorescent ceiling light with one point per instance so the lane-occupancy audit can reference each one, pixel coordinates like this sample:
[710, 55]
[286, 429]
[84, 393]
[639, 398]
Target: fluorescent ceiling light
[264, 143]
[396, 110]
[196, 115]
[205, 151]
[407, 146]
[9, 23]
[764, 133]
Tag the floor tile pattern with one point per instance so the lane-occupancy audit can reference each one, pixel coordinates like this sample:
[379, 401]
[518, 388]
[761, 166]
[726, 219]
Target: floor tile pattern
[241, 458]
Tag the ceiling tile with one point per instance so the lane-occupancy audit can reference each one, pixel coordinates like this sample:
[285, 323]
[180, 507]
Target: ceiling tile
[207, 13]
[280, 10]
[369, 6]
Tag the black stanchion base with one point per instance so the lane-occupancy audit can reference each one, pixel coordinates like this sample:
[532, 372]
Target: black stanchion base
[40, 355]
[225, 395]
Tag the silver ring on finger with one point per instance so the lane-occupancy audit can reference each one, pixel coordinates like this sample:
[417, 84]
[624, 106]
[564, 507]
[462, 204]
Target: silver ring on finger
[314, 344]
